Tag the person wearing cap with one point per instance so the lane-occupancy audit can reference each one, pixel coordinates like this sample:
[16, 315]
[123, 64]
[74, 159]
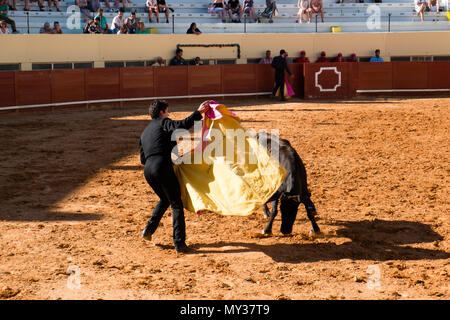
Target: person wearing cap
[141, 28]
[4, 16]
[280, 65]
[46, 28]
[339, 58]
[131, 23]
[377, 57]
[303, 58]
[352, 58]
[322, 58]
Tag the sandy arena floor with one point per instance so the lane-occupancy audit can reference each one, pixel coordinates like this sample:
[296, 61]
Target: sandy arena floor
[72, 193]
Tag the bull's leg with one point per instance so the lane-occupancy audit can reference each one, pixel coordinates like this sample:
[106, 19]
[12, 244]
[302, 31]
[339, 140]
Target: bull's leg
[266, 211]
[268, 228]
[288, 208]
[311, 212]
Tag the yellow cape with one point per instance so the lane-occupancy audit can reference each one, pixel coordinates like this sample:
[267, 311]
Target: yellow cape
[221, 185]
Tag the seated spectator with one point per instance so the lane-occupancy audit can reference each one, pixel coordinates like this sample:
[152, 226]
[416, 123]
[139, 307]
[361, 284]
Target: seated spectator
[267, 59]
[377, 57]
[12, 7]
[339, 58]
[234, 8]
[433, 5]
[118, 22]
[83, 5]
[46, 28]
[303, 58]
[352, 58]
[219, 9]
[323, 58]
[197, 62]
[56, 2]
[177, 60]
[163, 7]
[40, 4]
[4, 16]
[248, 8]
[56, 28]
[304, 11]
[420, 6]
[104, 28]
[131, 23]
[94, 26]
[193, 29]
[152, 7]
[159, 62]
[317, 7]
[3, 28]
[210, 7]
[141, 28]
[123, 29]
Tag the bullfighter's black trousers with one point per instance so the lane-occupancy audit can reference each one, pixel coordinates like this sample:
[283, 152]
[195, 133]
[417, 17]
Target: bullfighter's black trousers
[161, 177]
[279, 83]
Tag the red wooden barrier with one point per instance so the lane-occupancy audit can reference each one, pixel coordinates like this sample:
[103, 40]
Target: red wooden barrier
[374, 75]
[204, 80]
[33, 87]
[137, 82]
[319, 81]
[439, 75]
[7, 89]
[327, 81]
[171, 81]
[68, 85]
[102, 83]
[409, 75]
[239, 78]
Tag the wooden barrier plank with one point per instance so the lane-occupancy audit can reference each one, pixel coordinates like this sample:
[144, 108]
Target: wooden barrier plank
[136, 82]
[326, 81]
[264, 77]
[7, 89]
[374, 75]
[239, 78]
[409, 75]
[68, 85]
[102, 83]
[33, 87]
[171, 81]
[297, 82]
[204, 80]
[439, 75]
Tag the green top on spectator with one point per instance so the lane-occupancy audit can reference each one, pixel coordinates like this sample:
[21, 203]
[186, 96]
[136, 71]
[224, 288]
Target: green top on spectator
[4, 7]
[103, 21]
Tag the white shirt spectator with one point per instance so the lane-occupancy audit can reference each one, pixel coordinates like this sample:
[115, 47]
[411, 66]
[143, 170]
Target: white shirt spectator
[119, 21]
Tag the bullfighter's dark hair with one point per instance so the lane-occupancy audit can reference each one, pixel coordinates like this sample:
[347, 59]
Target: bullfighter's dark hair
[156, 107]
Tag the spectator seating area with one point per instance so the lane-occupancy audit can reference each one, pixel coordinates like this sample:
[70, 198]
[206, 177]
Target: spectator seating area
[348, 17]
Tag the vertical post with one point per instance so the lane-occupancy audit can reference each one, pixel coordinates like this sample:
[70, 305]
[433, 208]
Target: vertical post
[245, 23]
[389, 22]
[316, 23]
[28, 22]
[173, 23]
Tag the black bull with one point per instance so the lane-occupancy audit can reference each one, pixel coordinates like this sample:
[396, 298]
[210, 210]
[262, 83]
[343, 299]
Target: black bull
[292, 192]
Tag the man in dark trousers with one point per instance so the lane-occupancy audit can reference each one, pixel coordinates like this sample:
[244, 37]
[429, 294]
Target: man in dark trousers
[280, 65]
[156, 146]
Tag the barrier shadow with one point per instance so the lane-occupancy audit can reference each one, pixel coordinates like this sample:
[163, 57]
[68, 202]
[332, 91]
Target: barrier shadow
[377, 240]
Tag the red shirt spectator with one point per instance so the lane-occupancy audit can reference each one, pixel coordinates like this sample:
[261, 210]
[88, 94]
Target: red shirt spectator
[352, 58]
[303, 58]
[339, 58]
[322, 58]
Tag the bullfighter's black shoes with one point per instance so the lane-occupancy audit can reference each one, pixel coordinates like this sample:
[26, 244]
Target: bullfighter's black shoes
[183, 248]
